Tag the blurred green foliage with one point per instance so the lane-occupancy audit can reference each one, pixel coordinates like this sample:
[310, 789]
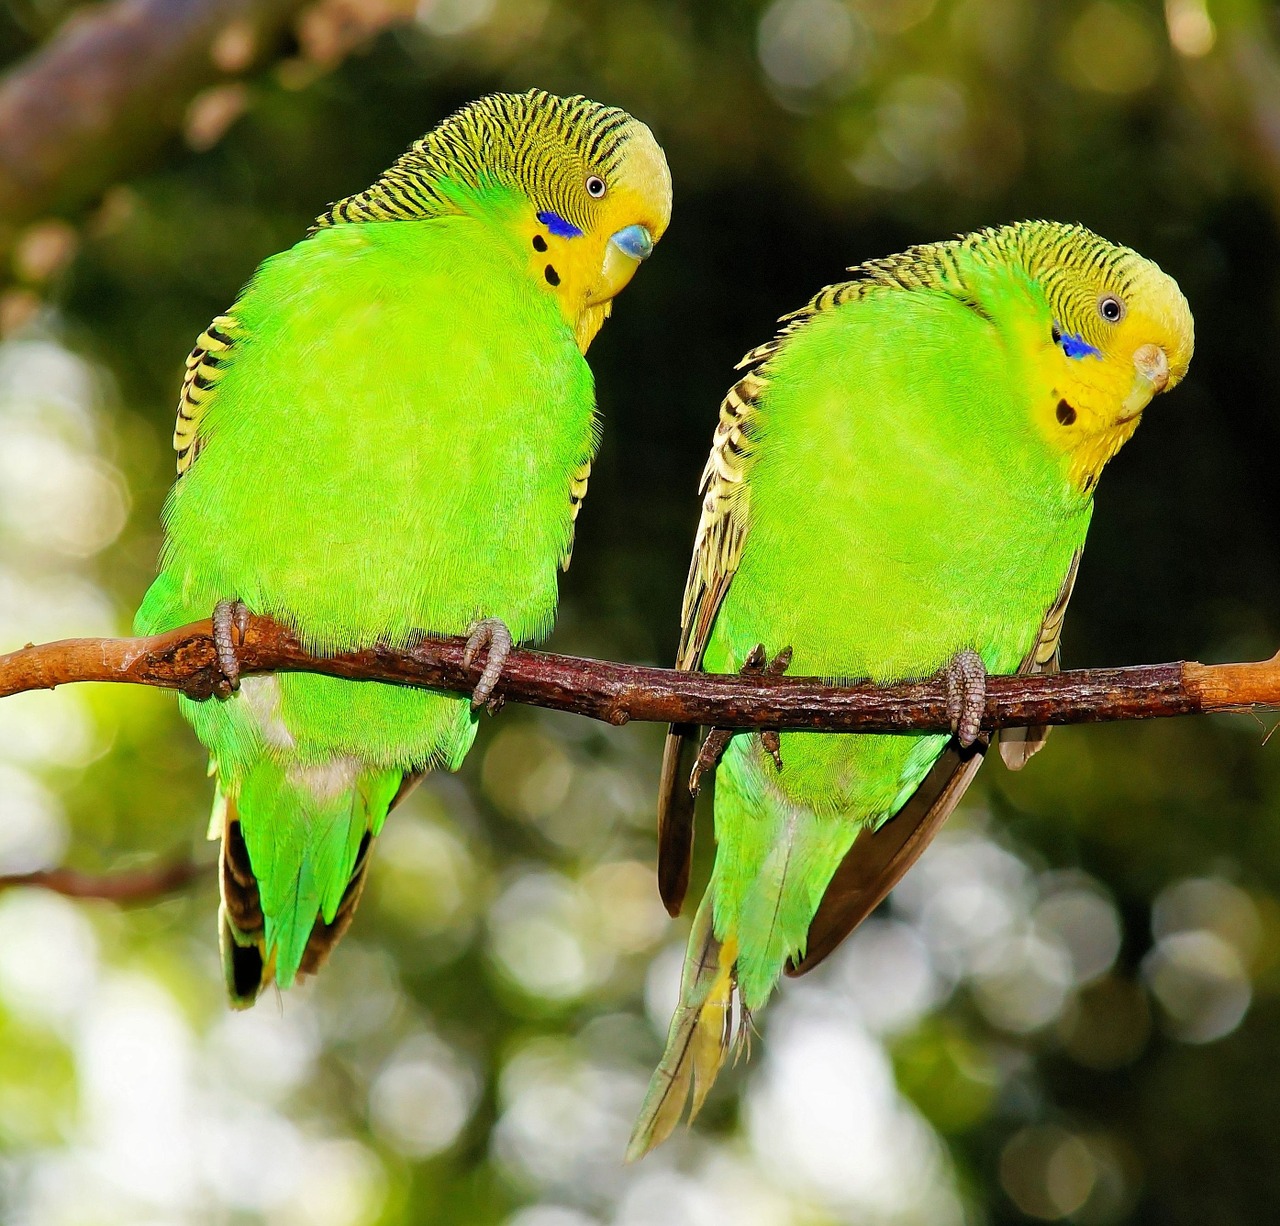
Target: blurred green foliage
[1069, 1011]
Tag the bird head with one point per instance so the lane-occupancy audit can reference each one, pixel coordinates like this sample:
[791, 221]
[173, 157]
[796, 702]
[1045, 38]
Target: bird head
[1120, 333]
[585, 188]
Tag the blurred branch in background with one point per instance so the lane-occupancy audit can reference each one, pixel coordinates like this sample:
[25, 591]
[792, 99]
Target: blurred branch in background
[185, 659]
[133, 885]
[111, 85]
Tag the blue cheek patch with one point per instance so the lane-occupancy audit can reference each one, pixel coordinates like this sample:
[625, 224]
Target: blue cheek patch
[1078, 347]
[558, 226]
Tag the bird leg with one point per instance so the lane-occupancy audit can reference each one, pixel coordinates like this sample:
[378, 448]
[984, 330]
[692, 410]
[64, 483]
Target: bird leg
[492, 635]
[228, 615]
[966, 678]
[757, 664]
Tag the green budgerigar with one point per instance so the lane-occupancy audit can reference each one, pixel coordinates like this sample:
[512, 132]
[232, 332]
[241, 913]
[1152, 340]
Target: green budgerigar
[900, 485]
[391, 432]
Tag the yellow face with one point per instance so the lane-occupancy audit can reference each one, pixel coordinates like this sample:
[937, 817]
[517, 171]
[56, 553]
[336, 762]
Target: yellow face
[595, 223]
[1122, 333]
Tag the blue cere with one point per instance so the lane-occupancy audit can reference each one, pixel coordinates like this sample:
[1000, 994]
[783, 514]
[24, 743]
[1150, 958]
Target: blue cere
[558, 226]
[1078, 347]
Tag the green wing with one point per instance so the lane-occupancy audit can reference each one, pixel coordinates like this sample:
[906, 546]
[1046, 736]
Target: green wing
[880, 857]
[722, 532]
[577, 492]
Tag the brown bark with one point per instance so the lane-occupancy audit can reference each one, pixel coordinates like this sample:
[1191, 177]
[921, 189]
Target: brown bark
[184, 659]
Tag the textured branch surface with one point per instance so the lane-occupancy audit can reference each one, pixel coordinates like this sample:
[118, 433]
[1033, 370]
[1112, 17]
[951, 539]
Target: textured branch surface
[184, 659]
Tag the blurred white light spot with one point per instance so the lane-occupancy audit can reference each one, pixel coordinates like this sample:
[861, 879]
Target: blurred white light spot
[894, 16]
[885, 971]
[805, 43]
[33, 833]
[1086, 923]
[1022, 983]
[49, 607]
[1212, 904]
[48, 955]
[662, 986]
[250, 1156]
[725, 1187]
[1191, 29]
[340, 1184]
[541, 930]
[41, 379]
[135, 1063]
[265, 1053]
[422, 1097]
[1200, 983]
[55, 498]
[920, 122]
[551, 1215]
[449, 18]
[965, 893]
[631, 916]
[1048, 1172]
[565, 1120]
[425, 874]
[361, 990]
[824, 1116]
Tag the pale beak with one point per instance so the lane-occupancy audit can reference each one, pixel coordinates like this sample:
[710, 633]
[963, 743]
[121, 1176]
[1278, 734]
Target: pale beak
[622, 256]
[1150, 376]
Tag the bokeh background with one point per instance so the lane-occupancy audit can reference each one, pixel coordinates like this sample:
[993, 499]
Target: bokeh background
[1070, 1010]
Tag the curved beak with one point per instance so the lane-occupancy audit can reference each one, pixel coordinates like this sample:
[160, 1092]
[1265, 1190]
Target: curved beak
[622, 256]
[1150, 377]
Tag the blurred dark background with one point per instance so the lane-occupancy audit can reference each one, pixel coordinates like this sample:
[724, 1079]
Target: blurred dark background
[1069, 1011]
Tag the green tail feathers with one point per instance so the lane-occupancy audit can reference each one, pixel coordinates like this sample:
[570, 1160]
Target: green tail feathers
[702, 1032]
[766, 886]
[295, 844]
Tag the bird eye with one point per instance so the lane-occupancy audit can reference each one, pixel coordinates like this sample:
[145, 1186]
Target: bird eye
[1111, 308]
[595, 186]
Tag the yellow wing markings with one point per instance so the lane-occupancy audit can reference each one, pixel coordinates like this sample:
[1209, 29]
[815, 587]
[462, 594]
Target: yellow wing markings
[577, 492]
[205, 366]
[725, 519]
[1019, 745]
[717, 550]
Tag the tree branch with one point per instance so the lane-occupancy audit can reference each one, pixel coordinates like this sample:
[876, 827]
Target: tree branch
[184, 659]
[135, 885]
[110, 85]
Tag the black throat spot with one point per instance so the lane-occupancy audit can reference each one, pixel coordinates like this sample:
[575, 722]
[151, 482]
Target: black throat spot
[1065, 413]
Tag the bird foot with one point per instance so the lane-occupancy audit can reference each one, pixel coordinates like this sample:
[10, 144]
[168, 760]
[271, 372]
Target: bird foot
[228, 615]
[966, 678]
[757, 664]
[489, 635]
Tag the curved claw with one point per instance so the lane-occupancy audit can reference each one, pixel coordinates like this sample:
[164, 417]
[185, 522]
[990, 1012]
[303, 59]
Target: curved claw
[966, 678]
[492, 635]
[757, 664]
[228, 614]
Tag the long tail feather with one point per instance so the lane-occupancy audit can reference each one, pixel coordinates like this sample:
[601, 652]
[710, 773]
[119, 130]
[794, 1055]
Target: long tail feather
[701, 1035]
[291, 884]
[240, 922]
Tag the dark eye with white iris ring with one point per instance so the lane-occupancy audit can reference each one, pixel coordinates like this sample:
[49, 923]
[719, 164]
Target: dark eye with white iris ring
[595, 186]
[1111, 308]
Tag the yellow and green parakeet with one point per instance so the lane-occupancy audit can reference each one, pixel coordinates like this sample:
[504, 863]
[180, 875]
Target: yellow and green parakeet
[391, 432]
[900, 484]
